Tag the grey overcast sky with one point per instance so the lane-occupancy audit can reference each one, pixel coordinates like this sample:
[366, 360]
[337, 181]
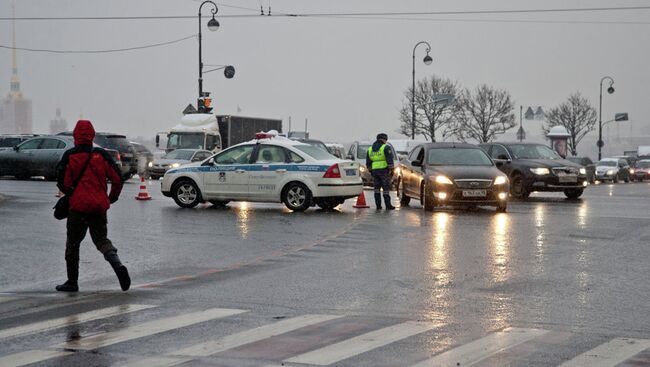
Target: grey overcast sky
[346, 75]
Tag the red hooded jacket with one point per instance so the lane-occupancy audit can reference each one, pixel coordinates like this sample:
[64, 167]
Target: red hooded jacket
[90, 196]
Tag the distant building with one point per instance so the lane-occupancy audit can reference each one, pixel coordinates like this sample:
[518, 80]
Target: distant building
[59, 124]
[15, 109]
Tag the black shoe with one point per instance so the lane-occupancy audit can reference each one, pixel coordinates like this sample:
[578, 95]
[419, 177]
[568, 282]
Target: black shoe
[68, 287]
[123, 276]
[390, 208]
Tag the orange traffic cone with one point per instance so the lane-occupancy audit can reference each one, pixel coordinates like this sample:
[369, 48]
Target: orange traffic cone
[361, 202]
[143, 194]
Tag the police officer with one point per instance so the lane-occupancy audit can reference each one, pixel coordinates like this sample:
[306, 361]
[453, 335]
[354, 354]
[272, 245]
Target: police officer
[380, 164]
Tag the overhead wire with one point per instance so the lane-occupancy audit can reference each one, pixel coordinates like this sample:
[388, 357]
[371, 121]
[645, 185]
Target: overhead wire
[351, 14]
[99, 51]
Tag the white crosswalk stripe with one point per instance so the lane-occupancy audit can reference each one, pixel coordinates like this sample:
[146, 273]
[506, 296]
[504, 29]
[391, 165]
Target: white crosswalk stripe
[71, 320]
[129, 333]
[478, 350]
[362, 343]
[29, 357]
[7, 299]
[233, 341]
[610, 354]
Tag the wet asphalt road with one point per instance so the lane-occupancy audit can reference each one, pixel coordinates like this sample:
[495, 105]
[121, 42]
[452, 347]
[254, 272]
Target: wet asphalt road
[540, 285]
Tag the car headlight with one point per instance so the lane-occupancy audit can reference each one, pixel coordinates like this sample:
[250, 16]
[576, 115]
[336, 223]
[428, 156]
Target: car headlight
[631, 171]
[540, 171]
[175, 165]
[444, 180]
[500, 180]
[610, 172]
[583, 171]
[150, 164]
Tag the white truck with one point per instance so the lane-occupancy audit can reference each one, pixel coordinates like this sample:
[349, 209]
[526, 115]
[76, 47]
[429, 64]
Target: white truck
[643, 152]
[215, 132]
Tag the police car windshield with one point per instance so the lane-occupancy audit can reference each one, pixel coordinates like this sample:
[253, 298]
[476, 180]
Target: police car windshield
[458, 157]
[181, 154]
[314, 152]
[9, 142]
[532, 151]
[644, 164]
[362, 152]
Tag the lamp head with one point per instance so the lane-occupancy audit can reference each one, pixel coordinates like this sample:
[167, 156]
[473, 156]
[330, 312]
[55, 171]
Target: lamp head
[610, 90]
[213, 24]
[427, 60]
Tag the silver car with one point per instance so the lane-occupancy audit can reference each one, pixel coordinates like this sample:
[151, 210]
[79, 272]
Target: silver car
[34, 157]
[174, 159]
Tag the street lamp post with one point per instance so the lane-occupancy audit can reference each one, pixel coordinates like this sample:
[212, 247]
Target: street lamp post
[427, 61]
[213, 25]
[610, 90]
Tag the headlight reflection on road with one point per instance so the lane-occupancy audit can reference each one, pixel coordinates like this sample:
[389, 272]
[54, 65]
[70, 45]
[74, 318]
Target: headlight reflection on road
[540, 228]
[243, 214]
[439, 303]
[583, 213]
[500, 253]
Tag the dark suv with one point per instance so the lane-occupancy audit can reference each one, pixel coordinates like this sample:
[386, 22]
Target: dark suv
[121, 144]
[536, 167]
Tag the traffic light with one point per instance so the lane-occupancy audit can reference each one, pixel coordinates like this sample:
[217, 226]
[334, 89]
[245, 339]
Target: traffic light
[204, 103]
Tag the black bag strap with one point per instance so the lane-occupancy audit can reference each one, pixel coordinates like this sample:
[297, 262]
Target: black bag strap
[76, 182]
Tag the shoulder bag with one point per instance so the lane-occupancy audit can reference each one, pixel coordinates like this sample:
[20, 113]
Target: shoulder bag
[62, 206]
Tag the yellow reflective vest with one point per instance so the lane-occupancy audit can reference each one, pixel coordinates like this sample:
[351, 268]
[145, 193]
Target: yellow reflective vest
[378, 158]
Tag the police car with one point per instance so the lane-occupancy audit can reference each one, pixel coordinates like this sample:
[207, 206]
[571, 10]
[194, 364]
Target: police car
[269, 168]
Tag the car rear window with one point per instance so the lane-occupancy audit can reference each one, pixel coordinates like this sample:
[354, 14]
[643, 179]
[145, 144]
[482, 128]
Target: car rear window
[117, 142]
[458, 157]
[314, 152]
[362, 151]
[9, 142]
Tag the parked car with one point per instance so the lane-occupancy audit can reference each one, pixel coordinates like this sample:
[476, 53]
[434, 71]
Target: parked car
[440, 174]
[144, 157]
[39, 156]
[267, 169]
[613, 169]
[175, 159]
[536, 167]
[642, 170]
[127, 153]
[8, 141]
[588, 164]
[358, 152]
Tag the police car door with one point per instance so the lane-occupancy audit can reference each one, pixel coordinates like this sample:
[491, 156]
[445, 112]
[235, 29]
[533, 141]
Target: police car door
[270, 172]
[228, 176]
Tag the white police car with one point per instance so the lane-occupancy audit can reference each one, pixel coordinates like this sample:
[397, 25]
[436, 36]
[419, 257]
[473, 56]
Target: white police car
[267, 169]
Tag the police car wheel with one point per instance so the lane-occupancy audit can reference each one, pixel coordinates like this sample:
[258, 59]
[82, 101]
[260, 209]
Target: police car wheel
[296, 197]
[428, 201]
[404, 200]
[186, 194]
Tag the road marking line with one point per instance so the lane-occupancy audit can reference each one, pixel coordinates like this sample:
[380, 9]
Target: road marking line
[611, 353]
[232, 341]
[362, 343]
[71, 320]
[7, 299]
[147, 329]
[478, 350]
[29, 357]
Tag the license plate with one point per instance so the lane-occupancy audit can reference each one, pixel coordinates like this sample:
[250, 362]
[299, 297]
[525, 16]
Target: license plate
[474, 193]
[568, 178]
[350, 172]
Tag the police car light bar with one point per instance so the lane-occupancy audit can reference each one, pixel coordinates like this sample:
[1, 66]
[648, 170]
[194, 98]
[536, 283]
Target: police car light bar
[266, 135]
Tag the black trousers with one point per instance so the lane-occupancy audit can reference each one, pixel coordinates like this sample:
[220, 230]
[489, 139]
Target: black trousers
[77, 226]
[381, 180]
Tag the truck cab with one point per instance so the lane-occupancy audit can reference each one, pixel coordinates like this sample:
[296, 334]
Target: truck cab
[196, 131]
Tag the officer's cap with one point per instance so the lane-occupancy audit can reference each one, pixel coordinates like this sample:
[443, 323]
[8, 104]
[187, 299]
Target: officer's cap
[382, 136]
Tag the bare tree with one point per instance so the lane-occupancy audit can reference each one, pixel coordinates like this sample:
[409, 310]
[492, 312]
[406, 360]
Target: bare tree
[483, 114]
[431, 116]
[577, 115]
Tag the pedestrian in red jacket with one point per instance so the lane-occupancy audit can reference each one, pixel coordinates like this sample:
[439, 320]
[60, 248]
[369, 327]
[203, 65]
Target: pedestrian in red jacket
[89, 202]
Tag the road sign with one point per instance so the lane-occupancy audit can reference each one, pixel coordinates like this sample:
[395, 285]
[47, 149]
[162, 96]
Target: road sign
[229, 72]
[189, 109]
[621, 116]
[443, 98]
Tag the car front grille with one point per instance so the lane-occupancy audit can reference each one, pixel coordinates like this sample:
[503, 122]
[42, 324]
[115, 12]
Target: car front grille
[566, 170]
[473, 183]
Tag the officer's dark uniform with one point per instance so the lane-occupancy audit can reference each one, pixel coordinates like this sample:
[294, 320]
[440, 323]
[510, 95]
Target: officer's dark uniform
[379, 161]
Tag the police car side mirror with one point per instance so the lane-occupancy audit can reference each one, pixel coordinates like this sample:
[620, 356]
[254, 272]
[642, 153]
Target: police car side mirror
[16, 147]
[350, 157]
